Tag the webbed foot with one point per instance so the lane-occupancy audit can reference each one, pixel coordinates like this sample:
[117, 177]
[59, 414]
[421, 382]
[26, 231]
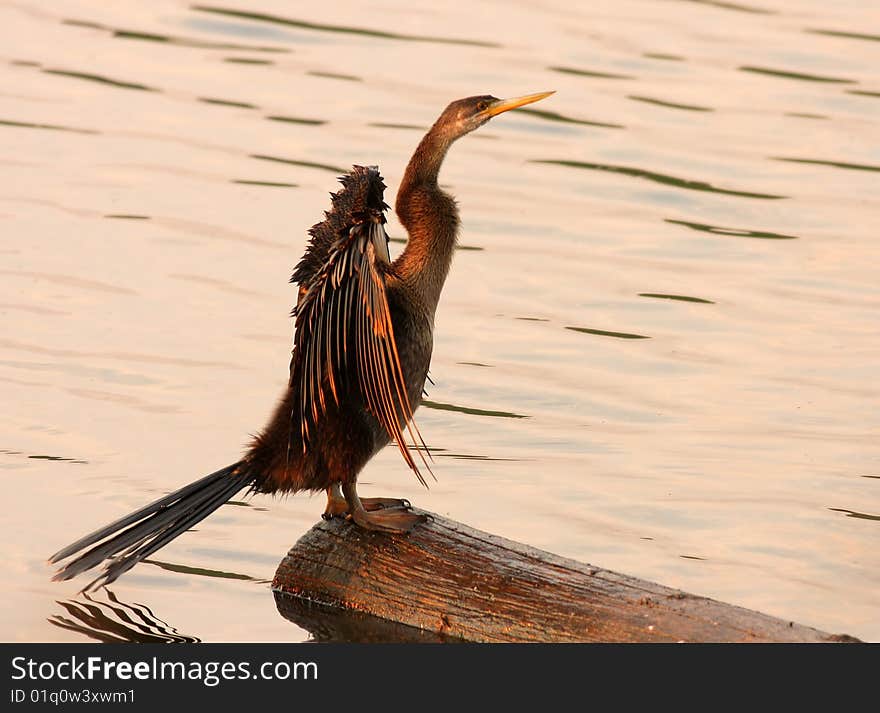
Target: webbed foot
[337, 506]
[394, 520]
[371, 504]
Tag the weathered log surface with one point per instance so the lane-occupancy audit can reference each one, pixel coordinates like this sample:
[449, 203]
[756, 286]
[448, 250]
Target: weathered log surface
[460, 583]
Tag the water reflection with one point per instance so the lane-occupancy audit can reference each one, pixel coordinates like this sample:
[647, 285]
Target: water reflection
[159, 176]
[334, 624]
[204, 571]
[115, 621]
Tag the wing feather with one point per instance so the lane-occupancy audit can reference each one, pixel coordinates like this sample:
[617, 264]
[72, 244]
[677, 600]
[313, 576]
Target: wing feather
[344, 341]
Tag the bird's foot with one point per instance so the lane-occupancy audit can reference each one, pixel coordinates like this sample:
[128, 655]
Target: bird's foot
[394, 519]
[371, 504]
[337, 507]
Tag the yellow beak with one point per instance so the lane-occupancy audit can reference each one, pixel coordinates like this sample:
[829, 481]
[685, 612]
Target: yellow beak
[501, 105]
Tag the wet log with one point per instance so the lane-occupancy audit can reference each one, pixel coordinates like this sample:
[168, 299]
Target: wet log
[450, 581]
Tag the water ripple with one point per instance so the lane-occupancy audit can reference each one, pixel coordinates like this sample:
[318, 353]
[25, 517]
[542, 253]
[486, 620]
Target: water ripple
[555, 116]
[170, 39]
[219, 284]
[63, 459]
[227, 102]
[589, 73]
[669, 105]
[122, 356]
[658, 178]
[71, 281]
[846, 35]
[833, 164]
[247, 60]
[785, 74]
[859, 515]
[202, 571]
[270, 184]
[409, 127]
[335, 75]
[737, 7]
[101, 79]
[344, 29]
[468, 410]
[682, 298]
[805, 115]
[663, 56]
[606, 333]
[127, 400]
[458, 246]
[51, 127]
[35, 309]
[297, 120]
[296, 162]
[736, 232]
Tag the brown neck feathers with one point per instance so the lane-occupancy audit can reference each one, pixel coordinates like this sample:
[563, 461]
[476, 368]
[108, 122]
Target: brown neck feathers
[430, 216]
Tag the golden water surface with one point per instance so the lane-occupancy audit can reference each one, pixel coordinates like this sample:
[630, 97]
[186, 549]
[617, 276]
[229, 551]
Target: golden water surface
[657, 350]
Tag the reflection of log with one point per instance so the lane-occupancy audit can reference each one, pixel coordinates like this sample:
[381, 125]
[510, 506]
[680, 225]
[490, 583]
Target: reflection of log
[328, 623]
[447, 578]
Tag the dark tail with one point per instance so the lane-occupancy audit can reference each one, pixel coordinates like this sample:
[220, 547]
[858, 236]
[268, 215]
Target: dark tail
[138, 535]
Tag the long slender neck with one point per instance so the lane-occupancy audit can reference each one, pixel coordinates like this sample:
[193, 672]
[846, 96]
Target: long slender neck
[430, 216]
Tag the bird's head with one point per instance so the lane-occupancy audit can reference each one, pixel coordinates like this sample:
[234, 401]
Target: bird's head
[465, 115]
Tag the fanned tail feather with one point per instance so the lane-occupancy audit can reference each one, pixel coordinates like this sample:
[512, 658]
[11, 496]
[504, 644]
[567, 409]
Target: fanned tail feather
[141, 533]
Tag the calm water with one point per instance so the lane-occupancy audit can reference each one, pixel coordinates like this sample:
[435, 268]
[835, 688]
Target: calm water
[657, 350]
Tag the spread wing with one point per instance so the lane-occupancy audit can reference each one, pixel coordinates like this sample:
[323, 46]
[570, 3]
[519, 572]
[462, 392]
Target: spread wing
[344, 342]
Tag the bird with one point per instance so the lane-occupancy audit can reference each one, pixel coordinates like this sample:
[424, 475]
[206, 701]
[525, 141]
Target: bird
[363, 339]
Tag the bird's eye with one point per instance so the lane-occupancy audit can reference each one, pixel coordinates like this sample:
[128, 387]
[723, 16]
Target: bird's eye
[482, 106]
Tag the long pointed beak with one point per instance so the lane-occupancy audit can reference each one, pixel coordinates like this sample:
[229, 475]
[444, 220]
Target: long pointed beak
[501, 105]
